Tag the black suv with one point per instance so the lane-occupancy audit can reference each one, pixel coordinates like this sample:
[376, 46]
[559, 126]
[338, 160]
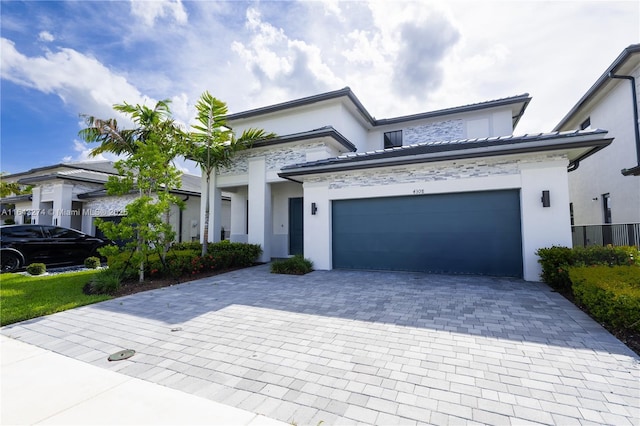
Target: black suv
[21, 245]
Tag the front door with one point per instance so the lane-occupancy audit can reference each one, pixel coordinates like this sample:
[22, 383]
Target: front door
[296, 226]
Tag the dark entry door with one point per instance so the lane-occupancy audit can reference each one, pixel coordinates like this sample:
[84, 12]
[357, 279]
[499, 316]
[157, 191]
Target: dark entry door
[464, 233]
[296, 226]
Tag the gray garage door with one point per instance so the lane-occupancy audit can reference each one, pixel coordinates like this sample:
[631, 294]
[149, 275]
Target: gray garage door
[461, 233]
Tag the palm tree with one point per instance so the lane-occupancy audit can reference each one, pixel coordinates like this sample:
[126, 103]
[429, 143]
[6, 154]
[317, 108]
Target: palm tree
[213, 145]
[123, 141]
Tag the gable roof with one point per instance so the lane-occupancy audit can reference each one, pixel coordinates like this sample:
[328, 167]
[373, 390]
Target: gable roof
[581, 143]
[523, 99]
[623, 63]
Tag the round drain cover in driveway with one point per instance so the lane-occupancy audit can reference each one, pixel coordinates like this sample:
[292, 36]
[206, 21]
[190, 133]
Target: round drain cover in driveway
[124, 354]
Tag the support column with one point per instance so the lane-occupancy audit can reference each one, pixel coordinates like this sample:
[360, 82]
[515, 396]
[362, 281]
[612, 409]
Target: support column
[215, 209]
[239, 216]
[260, 207]
[62, 205]
[36, 195]
[317, 227]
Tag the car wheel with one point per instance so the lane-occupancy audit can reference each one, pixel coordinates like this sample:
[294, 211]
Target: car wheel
[10, 262]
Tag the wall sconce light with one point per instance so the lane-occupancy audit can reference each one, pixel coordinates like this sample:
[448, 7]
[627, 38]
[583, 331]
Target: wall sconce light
[314, 208]
[546, 201]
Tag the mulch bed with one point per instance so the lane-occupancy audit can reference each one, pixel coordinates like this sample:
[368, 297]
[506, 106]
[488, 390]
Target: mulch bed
[134, 286]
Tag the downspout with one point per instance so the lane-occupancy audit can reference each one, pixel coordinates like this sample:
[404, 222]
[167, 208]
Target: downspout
[180, 221]
[636, 122]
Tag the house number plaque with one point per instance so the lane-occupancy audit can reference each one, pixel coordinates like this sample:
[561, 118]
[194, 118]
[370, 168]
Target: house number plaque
[418, 191]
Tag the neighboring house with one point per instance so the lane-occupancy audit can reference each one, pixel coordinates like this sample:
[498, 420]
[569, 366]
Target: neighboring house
[448, 191]
[73, 195]
[605, 188]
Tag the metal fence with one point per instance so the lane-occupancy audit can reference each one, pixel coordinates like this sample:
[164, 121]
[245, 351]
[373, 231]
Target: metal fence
[623, 234]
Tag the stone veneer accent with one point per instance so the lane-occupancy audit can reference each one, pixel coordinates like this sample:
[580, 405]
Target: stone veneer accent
[426, 173]
[275, 157]
[109, 206]
[81, 188]
[433, 132]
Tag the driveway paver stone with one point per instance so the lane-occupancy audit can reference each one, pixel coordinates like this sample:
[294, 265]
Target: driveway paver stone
[352, 347]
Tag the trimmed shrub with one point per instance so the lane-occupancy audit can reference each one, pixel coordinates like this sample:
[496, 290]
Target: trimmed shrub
[107, 281]
[556, 260]
[296, 265]
[125, 264]
[92, 262]
[177, 263]
[610, 294]
[189, 245]
[234, 255]
[36, 268]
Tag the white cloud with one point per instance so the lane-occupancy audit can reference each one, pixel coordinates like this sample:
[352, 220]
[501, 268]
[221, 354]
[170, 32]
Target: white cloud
[151, 10]
[46, 36]
[80, 81]
[83, 151]
[276, 60]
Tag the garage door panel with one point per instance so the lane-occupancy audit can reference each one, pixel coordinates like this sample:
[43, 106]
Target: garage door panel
[471, 233]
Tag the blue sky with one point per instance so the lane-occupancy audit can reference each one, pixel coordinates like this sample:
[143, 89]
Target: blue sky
[61, 59]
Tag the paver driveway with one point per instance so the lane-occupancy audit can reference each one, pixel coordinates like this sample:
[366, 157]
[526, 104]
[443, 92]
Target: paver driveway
[344, 347]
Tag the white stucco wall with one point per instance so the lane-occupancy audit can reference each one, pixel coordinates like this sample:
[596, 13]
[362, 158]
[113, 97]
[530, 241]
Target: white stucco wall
[303, 119]
[541, 227]
[600, 173]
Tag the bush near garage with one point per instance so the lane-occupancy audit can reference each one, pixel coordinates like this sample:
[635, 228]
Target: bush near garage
[611, 295]
[296, 265]
[556, 260]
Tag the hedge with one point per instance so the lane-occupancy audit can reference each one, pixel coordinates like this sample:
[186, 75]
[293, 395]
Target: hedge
[556, 260]
[610, 294]
[185, 259]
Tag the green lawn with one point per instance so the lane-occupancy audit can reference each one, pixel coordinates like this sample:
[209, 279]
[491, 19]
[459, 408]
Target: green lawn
[24, 297]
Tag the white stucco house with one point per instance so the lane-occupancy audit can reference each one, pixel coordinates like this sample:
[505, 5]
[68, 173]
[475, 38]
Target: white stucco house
[448, 191]
[72, 195]
[605, 188]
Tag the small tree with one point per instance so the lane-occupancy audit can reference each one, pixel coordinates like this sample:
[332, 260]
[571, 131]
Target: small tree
[148, 168]
[213, 144]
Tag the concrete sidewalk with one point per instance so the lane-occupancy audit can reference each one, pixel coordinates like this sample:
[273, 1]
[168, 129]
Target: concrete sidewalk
[42, 387]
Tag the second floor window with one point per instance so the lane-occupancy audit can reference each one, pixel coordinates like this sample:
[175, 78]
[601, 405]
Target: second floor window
[393, 139]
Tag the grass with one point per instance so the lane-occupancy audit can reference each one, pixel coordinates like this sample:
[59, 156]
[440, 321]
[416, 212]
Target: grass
[24, 297]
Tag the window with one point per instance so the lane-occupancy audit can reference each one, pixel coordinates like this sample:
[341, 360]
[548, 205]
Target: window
[19, 232]
[585, 124]
[606, 208]
[393, 139]
[62, 232]
[571, 214]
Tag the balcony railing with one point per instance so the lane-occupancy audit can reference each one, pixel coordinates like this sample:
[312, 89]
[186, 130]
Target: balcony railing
[623, 234]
